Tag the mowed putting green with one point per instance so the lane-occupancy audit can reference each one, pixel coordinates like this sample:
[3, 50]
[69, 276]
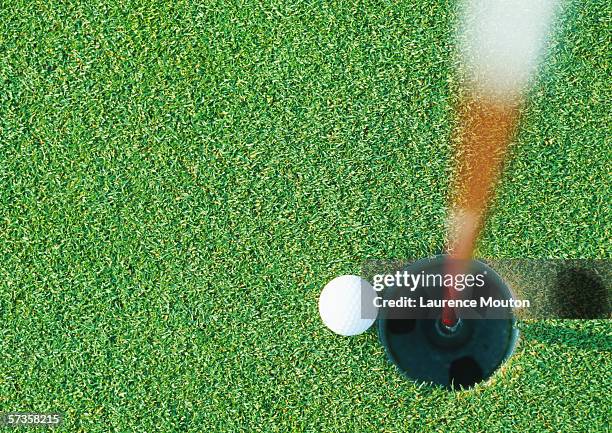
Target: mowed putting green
[180, 179]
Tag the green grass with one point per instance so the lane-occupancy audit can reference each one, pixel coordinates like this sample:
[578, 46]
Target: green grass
[179, 181]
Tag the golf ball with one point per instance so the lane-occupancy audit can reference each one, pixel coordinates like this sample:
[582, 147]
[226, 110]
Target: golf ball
[346, 305]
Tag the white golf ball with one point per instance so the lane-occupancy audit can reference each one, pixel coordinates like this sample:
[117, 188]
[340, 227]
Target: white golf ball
[341, 302]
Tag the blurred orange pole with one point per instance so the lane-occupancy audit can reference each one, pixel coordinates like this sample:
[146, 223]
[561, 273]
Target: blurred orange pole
[487, 129]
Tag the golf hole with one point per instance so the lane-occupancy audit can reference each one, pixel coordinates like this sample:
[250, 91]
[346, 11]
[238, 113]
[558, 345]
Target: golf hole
[458, 358]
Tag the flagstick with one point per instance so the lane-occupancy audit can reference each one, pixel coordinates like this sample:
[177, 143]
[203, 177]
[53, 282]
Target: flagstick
[488, 129]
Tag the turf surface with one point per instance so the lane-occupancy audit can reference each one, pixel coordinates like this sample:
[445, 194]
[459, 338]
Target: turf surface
[179, 180]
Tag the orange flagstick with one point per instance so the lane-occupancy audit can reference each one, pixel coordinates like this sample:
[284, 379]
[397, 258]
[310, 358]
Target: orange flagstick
[501, 43]
[484, 143]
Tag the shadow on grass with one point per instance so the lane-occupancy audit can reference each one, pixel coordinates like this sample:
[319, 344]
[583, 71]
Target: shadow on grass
[581, 293]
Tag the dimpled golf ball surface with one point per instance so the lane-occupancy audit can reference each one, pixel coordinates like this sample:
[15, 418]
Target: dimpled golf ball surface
[340, 305]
